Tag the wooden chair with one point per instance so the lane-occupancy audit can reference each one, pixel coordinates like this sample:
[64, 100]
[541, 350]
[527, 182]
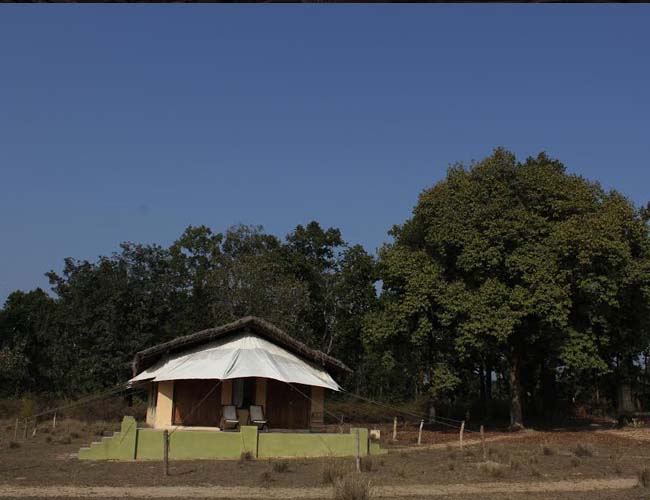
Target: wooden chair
[229, 417]
[256, 417]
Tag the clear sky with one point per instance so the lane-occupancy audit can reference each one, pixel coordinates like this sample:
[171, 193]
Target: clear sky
[128, 123]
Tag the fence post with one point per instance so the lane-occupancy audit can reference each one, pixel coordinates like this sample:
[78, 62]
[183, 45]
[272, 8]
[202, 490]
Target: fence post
[35, 425]
[420, 432]
[483, 443]
[54, 421]
[395, 429]
[166, 452]
[462, 430]
[25, 431]
[358, 459]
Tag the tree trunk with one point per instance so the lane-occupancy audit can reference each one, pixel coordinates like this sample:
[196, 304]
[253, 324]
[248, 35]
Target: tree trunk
[516, 414]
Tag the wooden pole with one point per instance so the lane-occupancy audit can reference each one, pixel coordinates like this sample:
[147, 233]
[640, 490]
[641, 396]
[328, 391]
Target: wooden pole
[358, 459]
[34, 431]
[25, 431]
[395, 429]
[420, 433]
[54, 421]
[166, 452]
[483, 443]
[462, 430]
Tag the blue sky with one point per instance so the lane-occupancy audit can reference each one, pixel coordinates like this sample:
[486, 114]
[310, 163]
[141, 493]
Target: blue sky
[128, 123]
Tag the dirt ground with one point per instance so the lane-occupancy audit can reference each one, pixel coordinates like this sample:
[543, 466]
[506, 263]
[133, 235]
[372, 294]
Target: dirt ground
[594, 463]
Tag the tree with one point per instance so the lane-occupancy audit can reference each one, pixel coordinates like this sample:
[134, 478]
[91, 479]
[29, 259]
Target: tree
[478, 271]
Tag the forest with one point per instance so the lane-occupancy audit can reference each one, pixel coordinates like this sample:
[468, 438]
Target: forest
[514, 288]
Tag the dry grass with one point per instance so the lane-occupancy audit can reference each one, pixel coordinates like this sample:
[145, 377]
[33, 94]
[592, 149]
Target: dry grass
[644, 477]
[281, 467]
[548, 450]
[494, 469]
[583, 450]
[352, 487]
[332, 471]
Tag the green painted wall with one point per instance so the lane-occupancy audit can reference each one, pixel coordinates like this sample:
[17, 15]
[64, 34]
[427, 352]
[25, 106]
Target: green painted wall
[147, 444]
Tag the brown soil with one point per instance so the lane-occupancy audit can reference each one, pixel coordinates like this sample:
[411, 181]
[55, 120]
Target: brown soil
[533, 464]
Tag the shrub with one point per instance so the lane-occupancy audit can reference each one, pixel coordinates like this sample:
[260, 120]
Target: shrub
[532, 460]
[535, 472]
[548, 450]
[332, 471]
[13, 445]
[366, 464]
[575, 461]
[514, 463]
[644, 477]
[246, 456]
[281, 467]
[352, 487]
[583, 450]
[266, 477]
[494, 469]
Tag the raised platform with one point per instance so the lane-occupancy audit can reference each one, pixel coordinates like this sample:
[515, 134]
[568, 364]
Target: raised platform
[133, 443]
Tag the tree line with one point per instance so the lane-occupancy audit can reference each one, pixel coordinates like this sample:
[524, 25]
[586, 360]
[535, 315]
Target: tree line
[512, 281]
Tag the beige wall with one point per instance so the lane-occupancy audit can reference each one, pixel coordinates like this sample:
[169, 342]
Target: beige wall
[152, 394]
[165, 404]
[317, 415]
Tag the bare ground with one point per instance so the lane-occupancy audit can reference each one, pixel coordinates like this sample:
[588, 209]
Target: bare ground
[530, 465]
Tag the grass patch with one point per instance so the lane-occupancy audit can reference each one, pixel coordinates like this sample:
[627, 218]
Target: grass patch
[331, 472]
[644, 477]
[352, 487]
[281, 467]
[584, 450]
[494, 469]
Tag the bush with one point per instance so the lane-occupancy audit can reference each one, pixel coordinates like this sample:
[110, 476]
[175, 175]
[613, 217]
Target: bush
[266, 477]
[352, 487]
[575, 461]
[281, 467]
[535, 472]
[332, 471]
[583, 450]
[644, 477]
[494, 469]
[548, 450]
[246, 456]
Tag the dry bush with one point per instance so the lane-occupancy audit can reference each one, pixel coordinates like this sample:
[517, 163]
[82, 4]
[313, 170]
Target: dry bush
[14, 445]
[494, 469]
[548, 450]
[583, 450]
[281, 467]
[266, 477]
[352, 487]
[644, 477]
[575, 461]
[332, 471]
[366, 464]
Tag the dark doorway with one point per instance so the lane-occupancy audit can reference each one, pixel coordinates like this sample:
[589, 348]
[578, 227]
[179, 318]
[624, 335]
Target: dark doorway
[286, 407]
[195, 405]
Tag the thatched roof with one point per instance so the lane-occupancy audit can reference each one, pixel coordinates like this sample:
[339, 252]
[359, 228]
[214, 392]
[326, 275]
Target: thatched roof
[148, 357]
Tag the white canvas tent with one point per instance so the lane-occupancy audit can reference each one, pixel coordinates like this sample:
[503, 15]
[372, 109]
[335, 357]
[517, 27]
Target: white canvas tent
[243, 354]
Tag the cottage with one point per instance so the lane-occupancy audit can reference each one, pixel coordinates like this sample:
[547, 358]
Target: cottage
[192, 380]
[248, 378]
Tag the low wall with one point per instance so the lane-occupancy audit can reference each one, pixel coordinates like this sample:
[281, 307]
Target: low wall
[132, 443]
